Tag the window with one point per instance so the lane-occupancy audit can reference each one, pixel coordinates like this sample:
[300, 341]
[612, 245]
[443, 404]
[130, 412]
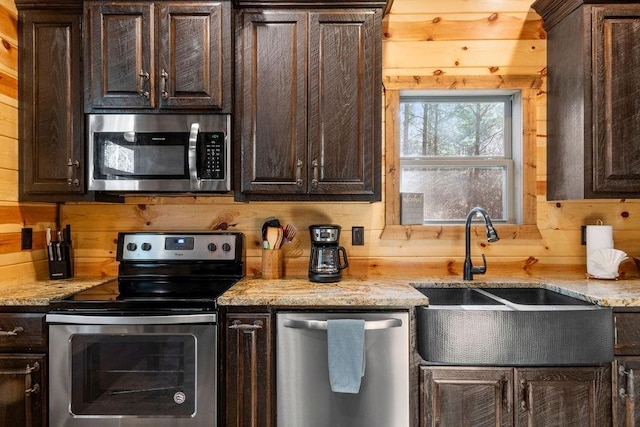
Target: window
[508, 168]
[459, 151]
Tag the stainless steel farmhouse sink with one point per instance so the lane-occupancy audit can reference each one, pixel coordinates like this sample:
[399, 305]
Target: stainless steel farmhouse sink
[517, 326]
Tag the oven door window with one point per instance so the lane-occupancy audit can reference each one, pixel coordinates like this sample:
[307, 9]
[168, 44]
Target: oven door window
[130, 155]
[137, 375]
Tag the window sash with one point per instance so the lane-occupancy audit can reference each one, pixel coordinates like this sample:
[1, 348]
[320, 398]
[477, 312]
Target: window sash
[508, 165]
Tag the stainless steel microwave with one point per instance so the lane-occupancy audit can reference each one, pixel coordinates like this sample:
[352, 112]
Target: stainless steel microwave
[159, 152]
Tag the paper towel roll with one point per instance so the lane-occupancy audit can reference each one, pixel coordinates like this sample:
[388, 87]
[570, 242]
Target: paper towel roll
[598, 237]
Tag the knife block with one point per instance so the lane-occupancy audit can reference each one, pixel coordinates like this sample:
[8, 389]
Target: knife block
[60, 263]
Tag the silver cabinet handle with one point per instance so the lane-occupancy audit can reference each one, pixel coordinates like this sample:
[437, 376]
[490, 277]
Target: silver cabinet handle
[24, 371]
[72, 167]
[299, 173]
[144, 77]
[322, 324]
[314, 181]
[12, 333]
[164, 77]
[630, 392]
[524, 396]
[244, 327]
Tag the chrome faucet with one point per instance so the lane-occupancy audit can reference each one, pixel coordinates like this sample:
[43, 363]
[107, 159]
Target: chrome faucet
[492, 236]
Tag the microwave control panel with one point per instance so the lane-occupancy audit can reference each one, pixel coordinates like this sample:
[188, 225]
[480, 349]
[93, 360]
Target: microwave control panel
[211, 155]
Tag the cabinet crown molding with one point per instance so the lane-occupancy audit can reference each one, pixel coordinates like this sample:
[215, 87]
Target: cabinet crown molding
[554, 11]
[314, 3]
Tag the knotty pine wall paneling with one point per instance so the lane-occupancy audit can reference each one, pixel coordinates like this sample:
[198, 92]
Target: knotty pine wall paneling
[421, 38]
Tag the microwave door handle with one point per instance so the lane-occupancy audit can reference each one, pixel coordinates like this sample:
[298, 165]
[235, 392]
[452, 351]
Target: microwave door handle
[192, 156]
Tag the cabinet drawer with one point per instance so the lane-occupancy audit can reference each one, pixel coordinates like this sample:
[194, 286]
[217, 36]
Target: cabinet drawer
[22, 330]
[627, 333]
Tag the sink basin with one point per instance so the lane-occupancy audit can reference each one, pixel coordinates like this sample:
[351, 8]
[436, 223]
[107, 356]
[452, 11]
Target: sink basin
[457, 296]
[536, 296]
[518, 326]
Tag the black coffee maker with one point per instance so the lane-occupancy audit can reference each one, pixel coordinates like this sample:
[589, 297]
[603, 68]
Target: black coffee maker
[325, 262]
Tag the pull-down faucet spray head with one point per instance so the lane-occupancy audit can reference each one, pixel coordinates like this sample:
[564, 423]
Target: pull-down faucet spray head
[492, 236]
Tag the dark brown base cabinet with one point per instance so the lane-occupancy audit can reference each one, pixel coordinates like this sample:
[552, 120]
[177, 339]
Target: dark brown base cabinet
[247, 380]
[23, 391]
[626, 368]
[501, 396]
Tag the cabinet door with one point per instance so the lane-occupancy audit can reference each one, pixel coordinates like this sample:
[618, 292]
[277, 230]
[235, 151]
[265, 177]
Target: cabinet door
[616, 65]
[51, 119]
[461, 396]
[120, 70]
[23, 395]
[195, 55]
[249, 386]
[563, 396]
[344, 102]
[626, 402]
[272, 108]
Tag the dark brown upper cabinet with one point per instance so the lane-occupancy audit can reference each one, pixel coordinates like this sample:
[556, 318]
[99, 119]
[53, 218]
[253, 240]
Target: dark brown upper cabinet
[165, 55]
[51, 126]
[308, 103]
[593, 131]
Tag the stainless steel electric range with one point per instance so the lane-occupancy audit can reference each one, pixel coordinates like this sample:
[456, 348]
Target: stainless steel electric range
[142, 350]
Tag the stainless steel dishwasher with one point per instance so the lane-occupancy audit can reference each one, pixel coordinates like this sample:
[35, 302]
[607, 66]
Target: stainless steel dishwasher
[304, 394]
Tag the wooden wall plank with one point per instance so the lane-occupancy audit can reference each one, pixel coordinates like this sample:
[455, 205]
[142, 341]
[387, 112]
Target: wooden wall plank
[8, 119]
[8, 153]
[27, 215]
[8, 85]
[464, 53]
[8, 185]
[9, 25]
[487, 26]
[9, 5]
[459, 6]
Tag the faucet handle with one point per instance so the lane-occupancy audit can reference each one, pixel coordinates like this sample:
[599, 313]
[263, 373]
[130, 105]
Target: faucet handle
[480, 269]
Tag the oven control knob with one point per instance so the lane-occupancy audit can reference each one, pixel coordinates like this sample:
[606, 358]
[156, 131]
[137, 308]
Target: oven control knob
[212, 247]
[131, 246]
[226, 247]
[146, 246]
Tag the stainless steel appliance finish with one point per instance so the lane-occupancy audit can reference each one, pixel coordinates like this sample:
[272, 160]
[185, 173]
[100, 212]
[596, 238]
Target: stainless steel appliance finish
[142, 350]
[304, 396]
[327, 258]
[132, 371]
[159, 152]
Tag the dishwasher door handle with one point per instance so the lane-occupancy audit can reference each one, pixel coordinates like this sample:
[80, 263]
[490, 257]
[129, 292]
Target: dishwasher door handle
[322, 324]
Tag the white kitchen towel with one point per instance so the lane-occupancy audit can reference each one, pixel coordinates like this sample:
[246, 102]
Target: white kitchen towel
[346, 354]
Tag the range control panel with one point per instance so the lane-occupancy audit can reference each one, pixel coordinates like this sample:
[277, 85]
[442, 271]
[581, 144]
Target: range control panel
[160, 246]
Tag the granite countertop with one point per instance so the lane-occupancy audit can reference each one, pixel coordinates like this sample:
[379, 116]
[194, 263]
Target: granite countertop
[401, 292]
[350, 292]
[39, 293]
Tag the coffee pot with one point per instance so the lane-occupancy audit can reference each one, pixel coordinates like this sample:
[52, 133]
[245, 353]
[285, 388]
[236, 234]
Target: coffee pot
[328, 258]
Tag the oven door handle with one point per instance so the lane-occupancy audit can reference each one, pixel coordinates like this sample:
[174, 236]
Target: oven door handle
[181, 319]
